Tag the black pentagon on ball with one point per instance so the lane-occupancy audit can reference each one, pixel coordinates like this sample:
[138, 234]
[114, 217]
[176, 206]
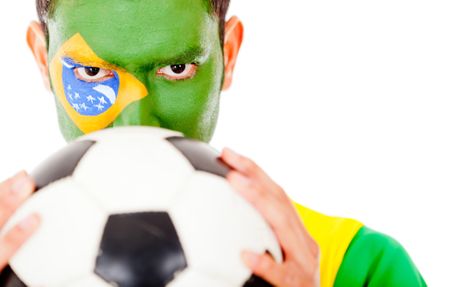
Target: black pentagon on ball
[140, 249]
[61, 164]
[201, 156]
[256, 281]
[9, 279]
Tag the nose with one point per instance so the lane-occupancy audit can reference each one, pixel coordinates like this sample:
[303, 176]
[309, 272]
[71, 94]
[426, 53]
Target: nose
[139, 113]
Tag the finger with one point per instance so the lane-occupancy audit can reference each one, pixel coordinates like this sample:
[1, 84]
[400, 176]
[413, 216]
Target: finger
[250, 168]
[281, 217]
[266, 203]
[15, 238]
[239, 162]
[13, 192]
[265, 267]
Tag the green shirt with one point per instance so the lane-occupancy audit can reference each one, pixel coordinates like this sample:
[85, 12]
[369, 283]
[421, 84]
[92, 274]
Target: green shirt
[374, 259]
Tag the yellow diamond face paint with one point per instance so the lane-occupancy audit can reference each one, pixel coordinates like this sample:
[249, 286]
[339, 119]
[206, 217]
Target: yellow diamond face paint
[92, 91]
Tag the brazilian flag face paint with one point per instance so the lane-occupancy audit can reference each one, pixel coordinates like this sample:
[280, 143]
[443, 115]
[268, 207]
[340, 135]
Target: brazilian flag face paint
[156, 63]
[92, 97]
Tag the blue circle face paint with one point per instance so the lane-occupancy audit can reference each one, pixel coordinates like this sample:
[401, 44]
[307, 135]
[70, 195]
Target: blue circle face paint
[88, 98]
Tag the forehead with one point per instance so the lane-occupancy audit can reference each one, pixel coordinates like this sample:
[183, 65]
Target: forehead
[135, 30]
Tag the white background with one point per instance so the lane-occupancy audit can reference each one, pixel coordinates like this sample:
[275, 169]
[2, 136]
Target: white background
[345, 103]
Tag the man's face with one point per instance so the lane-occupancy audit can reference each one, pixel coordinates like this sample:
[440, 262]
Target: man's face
[116, 62]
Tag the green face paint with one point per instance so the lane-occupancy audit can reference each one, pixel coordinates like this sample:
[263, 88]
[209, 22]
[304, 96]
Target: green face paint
[156, 63]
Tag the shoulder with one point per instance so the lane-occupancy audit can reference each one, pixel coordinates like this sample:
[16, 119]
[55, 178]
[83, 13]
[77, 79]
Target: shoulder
[376, 241]
[355, 255]
[322, 226]
[376, 259]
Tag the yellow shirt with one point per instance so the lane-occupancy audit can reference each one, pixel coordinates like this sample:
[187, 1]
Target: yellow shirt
[333, 235]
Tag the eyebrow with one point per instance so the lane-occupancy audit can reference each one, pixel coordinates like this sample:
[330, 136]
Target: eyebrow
[195, 55]
[80, 61]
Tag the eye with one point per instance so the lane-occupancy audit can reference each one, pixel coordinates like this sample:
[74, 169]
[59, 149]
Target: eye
[93, 74]
[178, 71]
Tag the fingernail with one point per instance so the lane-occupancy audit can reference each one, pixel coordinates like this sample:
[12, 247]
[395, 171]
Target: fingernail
[250, 259]
[29, 223]
[20, 181]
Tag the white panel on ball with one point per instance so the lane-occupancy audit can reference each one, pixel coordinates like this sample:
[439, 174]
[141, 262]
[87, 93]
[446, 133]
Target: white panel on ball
[133, 173]
[89, 281]
[215, 224]
[131, 132]
[192, 278]
[66, 244]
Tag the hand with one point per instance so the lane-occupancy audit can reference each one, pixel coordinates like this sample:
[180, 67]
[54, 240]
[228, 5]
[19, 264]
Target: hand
[14, 192]
[301, 252]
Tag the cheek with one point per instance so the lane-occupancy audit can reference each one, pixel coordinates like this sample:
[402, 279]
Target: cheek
[188, 102]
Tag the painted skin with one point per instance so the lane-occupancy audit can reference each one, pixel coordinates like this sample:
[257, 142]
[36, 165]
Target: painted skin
[142, 41]
[138, 42]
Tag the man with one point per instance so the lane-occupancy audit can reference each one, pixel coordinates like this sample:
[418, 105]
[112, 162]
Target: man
[163, 63]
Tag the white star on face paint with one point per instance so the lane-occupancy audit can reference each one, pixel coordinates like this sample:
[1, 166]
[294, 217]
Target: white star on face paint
[102, 101]
[77, 96]
[70, 97]
[69, 87]
[90, 99]
[76, 107]
[83, 106]
[99, 107]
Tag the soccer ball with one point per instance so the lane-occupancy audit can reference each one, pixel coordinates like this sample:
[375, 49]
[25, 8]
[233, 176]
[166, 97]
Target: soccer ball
[138, 206]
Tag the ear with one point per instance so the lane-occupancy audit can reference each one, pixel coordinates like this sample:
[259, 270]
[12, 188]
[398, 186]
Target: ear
[234, 34]
[38, 44]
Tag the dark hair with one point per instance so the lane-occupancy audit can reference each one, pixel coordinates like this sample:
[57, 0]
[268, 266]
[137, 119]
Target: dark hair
[220, 7]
